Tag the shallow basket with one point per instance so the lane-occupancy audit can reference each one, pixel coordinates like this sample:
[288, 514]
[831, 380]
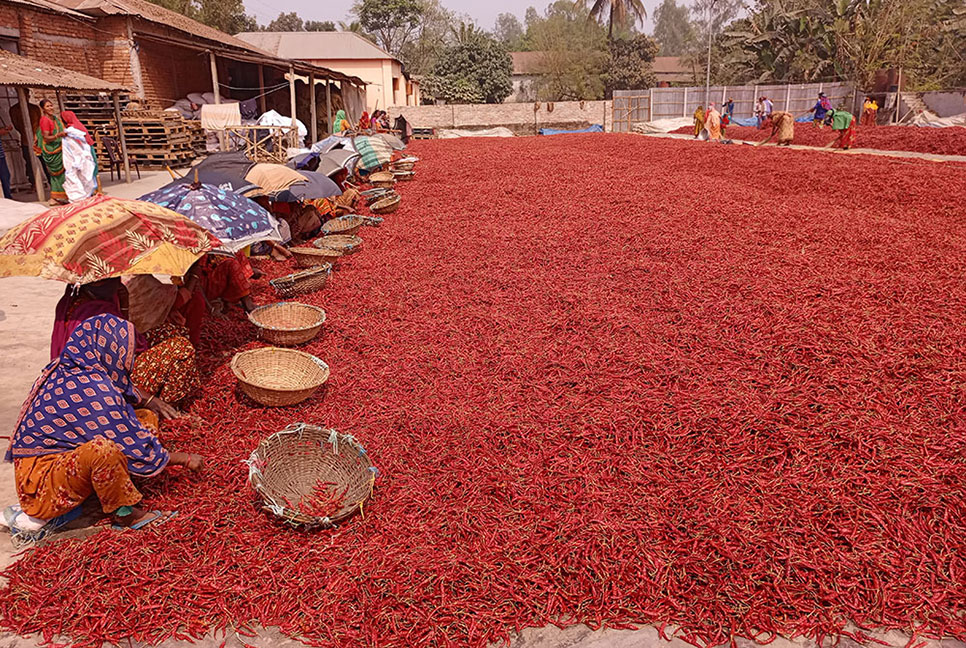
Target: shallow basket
[387, 204]
[309, 257]
[287, 323]
[302, 282]
[403, 166]
[342, 243]
[382, 179]
[345, 225]
[404, 175]
[287, 467]
[278, 377]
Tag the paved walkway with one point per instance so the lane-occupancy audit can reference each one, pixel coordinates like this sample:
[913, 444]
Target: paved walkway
[935, 157]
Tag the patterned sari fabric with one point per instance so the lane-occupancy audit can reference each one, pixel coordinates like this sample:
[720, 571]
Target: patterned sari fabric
[86, 394]
[225, 277]
[52, 154]
[168, 369]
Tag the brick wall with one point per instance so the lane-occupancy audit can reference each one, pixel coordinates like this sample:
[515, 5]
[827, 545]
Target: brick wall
[519, 117]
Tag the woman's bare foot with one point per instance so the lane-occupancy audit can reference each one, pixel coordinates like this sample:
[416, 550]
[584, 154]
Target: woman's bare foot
[137, 516]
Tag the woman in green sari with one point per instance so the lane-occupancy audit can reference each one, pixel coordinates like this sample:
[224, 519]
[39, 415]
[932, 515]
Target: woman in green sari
[341, 123]
[50, 133]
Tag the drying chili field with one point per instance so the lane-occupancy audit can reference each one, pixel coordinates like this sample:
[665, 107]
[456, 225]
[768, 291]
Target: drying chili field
[604, 382]
[941, 141]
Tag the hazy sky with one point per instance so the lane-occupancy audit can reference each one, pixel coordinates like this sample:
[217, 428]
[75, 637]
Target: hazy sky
[484, 12]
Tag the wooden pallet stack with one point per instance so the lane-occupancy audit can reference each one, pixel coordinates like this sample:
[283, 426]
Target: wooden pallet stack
[158, 139]
[95, 111]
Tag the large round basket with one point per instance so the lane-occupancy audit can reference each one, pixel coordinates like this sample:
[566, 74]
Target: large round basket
[403, 166]
[308, 257]
[345, 225]
[404, 175]
[372, 195]
[311, 477]
[382, 179]
[387, 204]
[340, 242]
[278, 377]
[287, 323]
[302, 282]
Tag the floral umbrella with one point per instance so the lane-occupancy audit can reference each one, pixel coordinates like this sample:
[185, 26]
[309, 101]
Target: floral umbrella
[102, 237]
[235, 220]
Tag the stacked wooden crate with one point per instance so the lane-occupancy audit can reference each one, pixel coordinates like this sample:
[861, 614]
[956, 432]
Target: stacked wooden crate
[156, 138]
[94, 110]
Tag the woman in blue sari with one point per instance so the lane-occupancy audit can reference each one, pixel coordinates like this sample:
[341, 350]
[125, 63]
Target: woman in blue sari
[79, 433]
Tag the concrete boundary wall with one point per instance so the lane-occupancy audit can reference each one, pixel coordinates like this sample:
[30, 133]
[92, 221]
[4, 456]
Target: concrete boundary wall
[521, 118]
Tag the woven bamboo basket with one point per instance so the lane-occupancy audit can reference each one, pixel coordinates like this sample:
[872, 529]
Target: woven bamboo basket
[287, 323]
[309, 257]
[344, 225]
[387, 204]
[382, 179]
[372, 195]
[344, 244]
[278, 377]
[290, 466]
[404, 176]
[403, 166]
[302, 282]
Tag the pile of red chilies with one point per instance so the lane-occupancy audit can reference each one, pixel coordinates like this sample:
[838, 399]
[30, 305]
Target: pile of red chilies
[941, 141]
[610, 380]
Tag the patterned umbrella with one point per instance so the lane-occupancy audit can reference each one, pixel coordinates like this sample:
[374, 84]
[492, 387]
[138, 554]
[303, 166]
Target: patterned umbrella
[102, 237]
[235, 220]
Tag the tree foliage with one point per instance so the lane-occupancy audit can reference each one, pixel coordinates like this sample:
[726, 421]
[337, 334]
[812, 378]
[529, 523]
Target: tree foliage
[392, 22]
[509, 31]
[320, 25]
[622, 13]
[429, 39]
[226, 15]
[808, 40]
[630, 65]
[286, 22]
[673, 29]
[574, 53]
[476, 68]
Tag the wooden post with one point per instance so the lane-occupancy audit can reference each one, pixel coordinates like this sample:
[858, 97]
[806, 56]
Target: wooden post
[724, 94]
[685, 111]
[788, 98]
[261, 88]
[60, 101]
[754, 102]
[328, 105]
[898, 96]
[29, 136]
[314, 115]
[121, 137]
[650, 105]
[216, 89]
[291, 94]
[135, 62]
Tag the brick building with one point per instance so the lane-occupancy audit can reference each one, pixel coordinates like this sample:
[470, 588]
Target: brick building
[159, 54]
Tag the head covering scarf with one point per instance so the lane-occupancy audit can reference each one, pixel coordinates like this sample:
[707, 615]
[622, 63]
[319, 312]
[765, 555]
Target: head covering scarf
[364, 121]
[340, 121]
[78, 305]
[86, 394]
[70, 119]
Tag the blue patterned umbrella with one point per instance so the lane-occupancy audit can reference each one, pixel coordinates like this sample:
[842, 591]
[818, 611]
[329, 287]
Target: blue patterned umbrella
[235, 220]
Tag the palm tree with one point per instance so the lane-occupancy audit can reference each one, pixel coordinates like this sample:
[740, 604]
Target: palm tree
[617, 11]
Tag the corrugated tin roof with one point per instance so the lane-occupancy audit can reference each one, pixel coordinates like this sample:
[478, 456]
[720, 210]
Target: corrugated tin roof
[49, 5]
[20, 71]
[317, 46]
[150, 12]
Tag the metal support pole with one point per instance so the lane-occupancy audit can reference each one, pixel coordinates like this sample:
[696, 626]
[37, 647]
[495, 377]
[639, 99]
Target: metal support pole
[328, 105]
[724, 94]
[650, 105]
[707, 80]
[684, 112]
[895, 117]
[216, 89]
[754, 102]
[121, 137]
[314, 127]
[28, 136]
[788, 98]
[261, 89]
[291, 92]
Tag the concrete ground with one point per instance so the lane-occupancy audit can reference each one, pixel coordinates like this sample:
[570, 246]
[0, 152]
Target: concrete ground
[26, 312]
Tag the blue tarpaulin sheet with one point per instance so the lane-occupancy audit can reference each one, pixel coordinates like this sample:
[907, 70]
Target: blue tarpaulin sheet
[751, 121]
[596, 128]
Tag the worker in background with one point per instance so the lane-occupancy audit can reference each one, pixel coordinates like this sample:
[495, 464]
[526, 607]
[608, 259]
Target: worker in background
[869, 110]
[712, 122]
[782, 127]
[843, 123]
[821, 109]
[698, 120]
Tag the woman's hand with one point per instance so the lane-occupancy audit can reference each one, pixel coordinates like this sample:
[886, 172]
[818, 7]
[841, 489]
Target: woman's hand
[189, 460]
[164, 411]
